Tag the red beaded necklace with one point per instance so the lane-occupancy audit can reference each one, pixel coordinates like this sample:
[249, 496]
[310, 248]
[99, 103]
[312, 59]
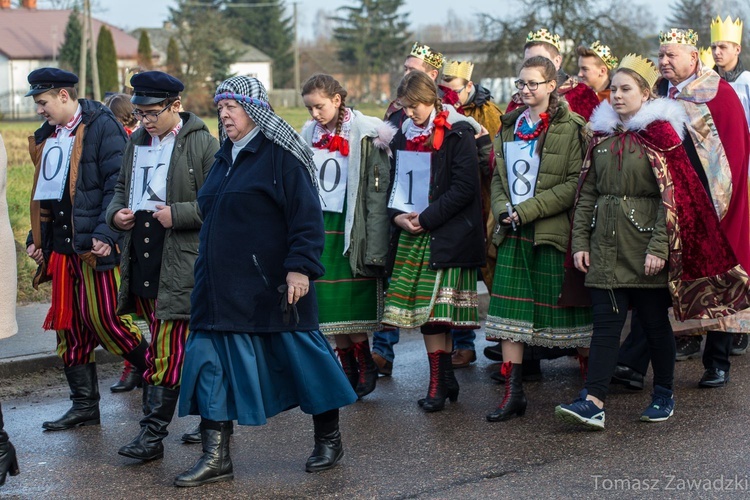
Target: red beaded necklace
[541, 127]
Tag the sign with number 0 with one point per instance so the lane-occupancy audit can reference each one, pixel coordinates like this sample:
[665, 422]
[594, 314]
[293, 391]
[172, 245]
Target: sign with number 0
[522, 165]
[411, 183]
[54, 168]
[333, 170]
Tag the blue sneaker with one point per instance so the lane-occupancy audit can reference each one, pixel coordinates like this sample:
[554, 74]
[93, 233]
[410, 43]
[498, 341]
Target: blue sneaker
[661, 407]
[582, 411]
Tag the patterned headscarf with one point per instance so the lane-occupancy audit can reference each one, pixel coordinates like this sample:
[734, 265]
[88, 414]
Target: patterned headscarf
[252, 96]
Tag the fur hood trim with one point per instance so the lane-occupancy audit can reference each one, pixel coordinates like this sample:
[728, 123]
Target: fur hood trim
[605, 120]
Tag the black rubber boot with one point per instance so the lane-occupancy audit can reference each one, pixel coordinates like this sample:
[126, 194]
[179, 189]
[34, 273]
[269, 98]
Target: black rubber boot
[348, 359]
[148, 444]
[328, 448]
[84, 392]
[193, 436]
[144, 401]
[215, 464]
[514, 401]
[131, 378]
[366, 368]
[8, 459]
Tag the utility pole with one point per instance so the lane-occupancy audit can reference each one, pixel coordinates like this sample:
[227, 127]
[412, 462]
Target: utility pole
[82, 61]
[296, 58]
[94, 62]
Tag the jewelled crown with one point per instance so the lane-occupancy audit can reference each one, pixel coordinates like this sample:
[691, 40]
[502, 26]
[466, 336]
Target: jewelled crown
[726, 31]
[679, 36]
[706, 57]
[426, 54]
[643, 67]
[459, 69]
[605, 54]
[543, 35]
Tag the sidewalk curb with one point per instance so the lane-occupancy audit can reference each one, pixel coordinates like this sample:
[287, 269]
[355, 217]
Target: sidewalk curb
[24, 365]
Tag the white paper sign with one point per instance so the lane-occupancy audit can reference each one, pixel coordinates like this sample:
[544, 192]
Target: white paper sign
[148, 180]
[522, 164]
[411, 184]
[333, 171]
[54, 168]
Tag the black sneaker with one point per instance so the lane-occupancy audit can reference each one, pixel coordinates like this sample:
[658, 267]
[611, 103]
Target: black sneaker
[688, 347]
[739, 344]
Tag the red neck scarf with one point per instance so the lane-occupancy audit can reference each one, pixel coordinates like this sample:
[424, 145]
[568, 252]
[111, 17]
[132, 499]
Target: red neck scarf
[333, 143]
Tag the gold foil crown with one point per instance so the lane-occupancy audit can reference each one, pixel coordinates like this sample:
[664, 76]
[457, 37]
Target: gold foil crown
[543, 35]
[726, 31]
[643, 67]
[679, 36]
[707, 57]
[426, 54]
[605, 54]
[459, 69]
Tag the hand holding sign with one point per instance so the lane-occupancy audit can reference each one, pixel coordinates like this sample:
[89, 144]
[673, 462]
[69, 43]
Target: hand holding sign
[124, 219]
[164, 215]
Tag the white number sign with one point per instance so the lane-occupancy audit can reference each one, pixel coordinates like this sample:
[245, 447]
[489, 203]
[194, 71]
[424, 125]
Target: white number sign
[148, 181]
[411, 185]
[54, 168]
[333, 170]
[522, 164]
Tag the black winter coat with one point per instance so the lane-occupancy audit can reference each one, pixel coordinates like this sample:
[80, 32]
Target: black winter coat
[454, 216]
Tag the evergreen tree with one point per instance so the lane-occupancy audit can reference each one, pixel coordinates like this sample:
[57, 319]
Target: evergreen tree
[106, 58]
[70, 51]
[268, 29]
[144, 50]
[174, 63]
[371, 37]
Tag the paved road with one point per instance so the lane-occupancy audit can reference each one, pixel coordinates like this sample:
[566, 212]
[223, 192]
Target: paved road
[394, 450]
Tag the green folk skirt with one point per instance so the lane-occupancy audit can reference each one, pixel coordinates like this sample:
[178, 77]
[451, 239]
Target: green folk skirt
[523, 302]
[419, 295]
[346, 304]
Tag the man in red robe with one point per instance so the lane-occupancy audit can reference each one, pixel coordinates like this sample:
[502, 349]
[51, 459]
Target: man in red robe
[718, 145]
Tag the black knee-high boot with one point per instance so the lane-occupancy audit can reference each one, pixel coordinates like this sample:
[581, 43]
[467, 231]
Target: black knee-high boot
[328, 448]
[215, 464]
[84, 392]
[8, 459]
[514, 401]
[148, 444]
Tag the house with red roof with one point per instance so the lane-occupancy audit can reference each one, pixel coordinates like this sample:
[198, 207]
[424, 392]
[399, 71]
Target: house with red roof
[31, 38]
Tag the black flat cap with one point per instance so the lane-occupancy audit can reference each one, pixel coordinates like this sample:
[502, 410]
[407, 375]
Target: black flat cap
[43, 79]
[151, 87]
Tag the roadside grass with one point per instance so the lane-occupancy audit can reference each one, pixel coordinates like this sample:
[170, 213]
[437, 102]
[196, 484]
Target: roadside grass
[21, 175]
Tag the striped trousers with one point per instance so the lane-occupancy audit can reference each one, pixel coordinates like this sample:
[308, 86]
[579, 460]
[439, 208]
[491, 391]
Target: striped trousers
[95, 320]
[166, 352]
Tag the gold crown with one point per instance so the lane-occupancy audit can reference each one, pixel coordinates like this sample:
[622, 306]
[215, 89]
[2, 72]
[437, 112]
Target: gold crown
[643, 67]
[459, 69]
[543, 35]
[605, 54]
[680, 36]
[707, 57]
[726, 31]
[426, 54]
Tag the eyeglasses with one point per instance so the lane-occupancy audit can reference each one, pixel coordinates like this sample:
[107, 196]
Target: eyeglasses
[532, 86]
[149, 116]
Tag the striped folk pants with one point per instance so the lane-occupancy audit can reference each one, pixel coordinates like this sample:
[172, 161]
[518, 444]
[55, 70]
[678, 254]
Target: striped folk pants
[95, 320]
[166, 352]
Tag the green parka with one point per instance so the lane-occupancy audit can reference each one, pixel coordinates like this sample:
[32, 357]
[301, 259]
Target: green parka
[192, 158]
[561, 156]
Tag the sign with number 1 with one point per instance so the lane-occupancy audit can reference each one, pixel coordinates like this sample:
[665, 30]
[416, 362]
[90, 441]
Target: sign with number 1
[411, 182]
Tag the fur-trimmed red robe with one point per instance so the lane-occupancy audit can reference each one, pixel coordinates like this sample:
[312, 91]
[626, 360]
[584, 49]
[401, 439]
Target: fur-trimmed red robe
[705, 278]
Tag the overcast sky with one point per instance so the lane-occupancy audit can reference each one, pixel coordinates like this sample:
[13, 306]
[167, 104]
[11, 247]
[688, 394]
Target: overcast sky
[130, 14]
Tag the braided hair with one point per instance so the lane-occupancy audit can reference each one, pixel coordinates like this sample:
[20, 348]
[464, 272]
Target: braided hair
[328, 87]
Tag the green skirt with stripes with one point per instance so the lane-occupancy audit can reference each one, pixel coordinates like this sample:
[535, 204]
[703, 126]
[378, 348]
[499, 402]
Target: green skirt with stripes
[523, 303]
[419, 295]
[346, 304]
